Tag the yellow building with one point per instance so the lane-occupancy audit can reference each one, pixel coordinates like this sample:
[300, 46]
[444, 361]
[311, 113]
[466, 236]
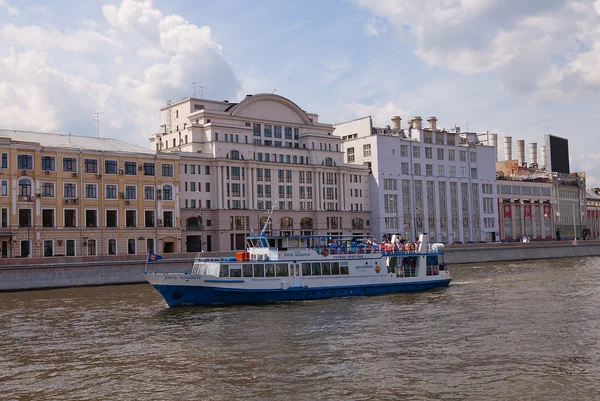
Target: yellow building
[64, 195]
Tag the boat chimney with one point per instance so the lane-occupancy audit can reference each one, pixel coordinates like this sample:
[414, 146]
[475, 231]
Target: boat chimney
[397, 121]
[494, 142]
[533, 154]
[507, 148]
[520, 152]
[543, 155]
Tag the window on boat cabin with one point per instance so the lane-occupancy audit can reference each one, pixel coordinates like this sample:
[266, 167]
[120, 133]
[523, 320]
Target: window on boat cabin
[282, 270]
[269, 270]
[259, 270]
[224, 271]
[335, 268]
[393, 262]
[326, 268]
[306, 269]
[235, 272]
[316, 269]
[247, 270]
[343, 268]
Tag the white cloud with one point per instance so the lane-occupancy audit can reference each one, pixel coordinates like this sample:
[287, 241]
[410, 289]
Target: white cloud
[545, 49]
[55, 79]
[11, 10]
[376, 26]
[380, 114]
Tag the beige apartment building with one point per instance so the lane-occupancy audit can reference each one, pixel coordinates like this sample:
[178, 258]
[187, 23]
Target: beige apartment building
[65, 195]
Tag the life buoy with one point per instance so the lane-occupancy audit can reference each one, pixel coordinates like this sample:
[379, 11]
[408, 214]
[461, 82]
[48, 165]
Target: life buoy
[325, 252]
[411, 247]
[377, 269]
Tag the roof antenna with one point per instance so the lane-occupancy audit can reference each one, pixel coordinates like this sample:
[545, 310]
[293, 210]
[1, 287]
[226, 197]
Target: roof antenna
[273, 91]
[98, 117]
[197, 83]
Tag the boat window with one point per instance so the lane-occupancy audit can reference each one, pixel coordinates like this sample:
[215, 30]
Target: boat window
[335, 268]
[432, 260]
[235, 272]
[316, 269]
[247, 270]
[270, 270]
[224, 271]
[326, 268]
[344, 269]
[282, 270]
[392, 263]
[259, 270]
[306, 269]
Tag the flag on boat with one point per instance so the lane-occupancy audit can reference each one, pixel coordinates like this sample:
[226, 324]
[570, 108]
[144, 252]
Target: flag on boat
[153, 257]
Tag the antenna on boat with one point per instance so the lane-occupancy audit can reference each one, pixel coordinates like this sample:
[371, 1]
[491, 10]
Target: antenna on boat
[270, 212]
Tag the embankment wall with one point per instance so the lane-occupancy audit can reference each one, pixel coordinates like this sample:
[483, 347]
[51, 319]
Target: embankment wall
[29, 274]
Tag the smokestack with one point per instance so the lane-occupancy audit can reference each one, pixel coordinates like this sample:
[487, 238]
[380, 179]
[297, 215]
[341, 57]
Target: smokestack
[533, 153]
[417, 122]
[494, 142]
[543, 154]
[520, 152]
[397, 121]
[507, 148]
[432, 123]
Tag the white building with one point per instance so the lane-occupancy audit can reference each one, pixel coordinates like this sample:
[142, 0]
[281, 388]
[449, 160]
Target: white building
[240, 159]
[425, 179]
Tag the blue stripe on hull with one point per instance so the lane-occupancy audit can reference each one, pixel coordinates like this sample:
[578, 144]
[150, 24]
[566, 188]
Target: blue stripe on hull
[196, 295]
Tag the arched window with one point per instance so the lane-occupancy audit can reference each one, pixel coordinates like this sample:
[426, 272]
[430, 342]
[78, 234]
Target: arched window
[24, 187]
[286, 223]
[234, 154]
[328, 161]
[306, 223]
[167, 192]
[357, 223]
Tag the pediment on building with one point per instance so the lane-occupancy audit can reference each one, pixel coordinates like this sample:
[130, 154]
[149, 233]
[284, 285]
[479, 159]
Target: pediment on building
[271, 107]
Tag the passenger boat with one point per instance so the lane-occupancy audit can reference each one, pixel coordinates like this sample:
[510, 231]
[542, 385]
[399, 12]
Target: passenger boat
[306, 267]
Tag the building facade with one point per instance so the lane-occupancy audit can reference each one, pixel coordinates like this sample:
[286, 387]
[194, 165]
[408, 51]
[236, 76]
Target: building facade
[65, 195]
[425, 179]
[593, 213]
[239, 160]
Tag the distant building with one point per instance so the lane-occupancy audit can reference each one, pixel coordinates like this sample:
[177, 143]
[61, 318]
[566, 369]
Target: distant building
[238, 160]
[593, 212]
[425, 179]
[65, 195]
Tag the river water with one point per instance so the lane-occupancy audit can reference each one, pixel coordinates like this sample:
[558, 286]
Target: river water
[505, 331]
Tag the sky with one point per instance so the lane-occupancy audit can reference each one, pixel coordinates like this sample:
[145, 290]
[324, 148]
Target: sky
[518, 68]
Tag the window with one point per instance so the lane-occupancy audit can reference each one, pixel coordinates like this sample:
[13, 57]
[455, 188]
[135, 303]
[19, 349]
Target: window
[130, 168]
[429, 169]
[168, 219]
[149, 218]
[24, 217]
[25, 162]
[90, 166]
[463, 156]
[440, 154]
[130, 218]
[149, 169]
[91, 218]
[167, 170]
[111, 191]
[350, 154]
[150, 245]
[404, 168]
[416, 152]
[267, 131]
[47, 217]
[91, 247]
[417, 169]
[130, 192]
[473, 156]
[389, 184]
[70, 248]
[167, 192]
[451, 154]
[404, 150]
[70, 164]
[48, 248]
[111, 167]
[148, 192]
[206, 170]
[428, 153]
[441, 171]
[488, 205]
[367, 150]
[24, 187]
[112, 246]
[488, 222]
[207, 187]
[452, 172]
[70, 219]
[111, 219]
[4, 160]
[288, 132]
[48, 163]
[256, 130]
[463, 172]
[473, 172]
[131, 246]
[91, 191]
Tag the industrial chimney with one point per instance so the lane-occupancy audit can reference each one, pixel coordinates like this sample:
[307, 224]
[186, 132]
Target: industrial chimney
[396, 120]
[494, 142]
[543, 155]
[432, 123]
[507, 148]
[417, 122]
[520, 152]
[533, 154]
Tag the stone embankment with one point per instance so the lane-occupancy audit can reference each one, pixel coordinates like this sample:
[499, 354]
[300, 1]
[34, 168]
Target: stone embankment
[37, 273]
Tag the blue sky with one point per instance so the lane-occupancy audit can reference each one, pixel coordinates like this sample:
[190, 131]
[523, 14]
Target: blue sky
[517, 68]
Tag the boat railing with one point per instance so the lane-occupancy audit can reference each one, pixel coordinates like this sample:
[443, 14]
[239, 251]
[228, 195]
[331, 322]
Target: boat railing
[384, 248]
